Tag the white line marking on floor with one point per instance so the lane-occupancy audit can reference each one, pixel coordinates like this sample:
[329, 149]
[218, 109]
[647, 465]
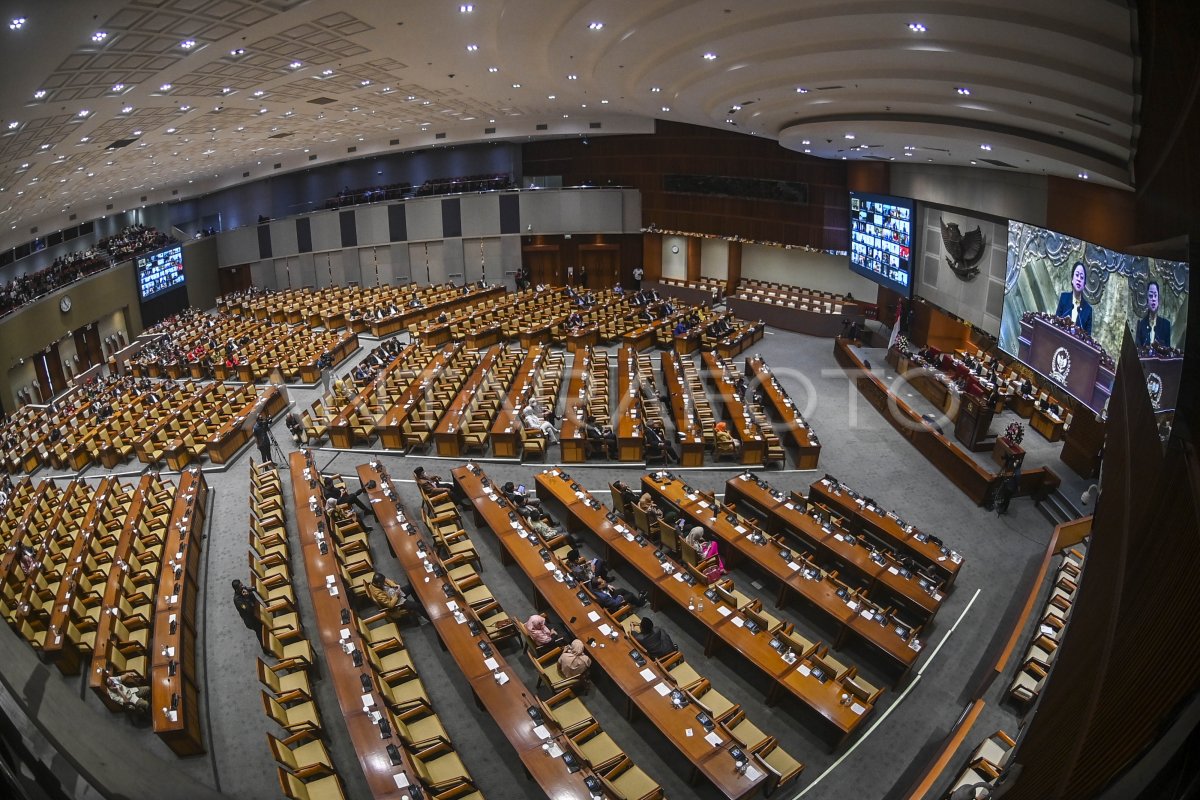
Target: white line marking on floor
[894, 705]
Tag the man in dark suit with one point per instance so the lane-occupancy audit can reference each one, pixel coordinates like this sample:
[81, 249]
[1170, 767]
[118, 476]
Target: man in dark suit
[1153, 329]
[1071, 305]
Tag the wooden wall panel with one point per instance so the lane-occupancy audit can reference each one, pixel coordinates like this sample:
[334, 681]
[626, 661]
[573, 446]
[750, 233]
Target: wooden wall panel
[1088, 211]
[643, 161]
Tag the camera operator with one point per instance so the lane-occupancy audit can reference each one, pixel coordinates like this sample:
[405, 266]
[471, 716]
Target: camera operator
[262, 436]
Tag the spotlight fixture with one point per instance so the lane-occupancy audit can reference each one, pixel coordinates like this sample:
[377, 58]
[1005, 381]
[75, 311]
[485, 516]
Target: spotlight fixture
[16, 23]
[166, 87]
[83, 112]
[735, 107]
[710, 56]
[466, 8]
[237, 51]
[364, 83]
[603, 102]
[801, 90]
[118, 87]
[295, 65]
[185, 108]
[666, 108]
[550, 96]
[572, 77]
[963, 90]
[916, 27]
[986, 147]
[188, 44]
[850, 136]
[655, 89]
[471, 48]
[45, 147]
[258, 93]
[326, 72]
[39, 94]
[1083, 176]
[12, 126]
[806, 141]
[595, 26]
[99, 36]
[493, 69]
[516, 86]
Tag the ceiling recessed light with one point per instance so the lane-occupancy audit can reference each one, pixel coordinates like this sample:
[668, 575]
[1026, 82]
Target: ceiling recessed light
[85, 139]
[39, 94]
[12, 126]
[973, 163]
[807, 150]
[471, 48]
[550, 96]
[166, 87]
[916, 27]
[493, 69]
[45, 147]
[908, 154]
[16, 23]
[595, 26]
[466, 8]
[1081, 175]
[850, 136]
[987, 147]
[237, 51]
[963, 90]
[185, 108]
[188, 44]
[99, 36]
[735, 107]
[516, 86]
[364, 82]
[295, 65]
[262, 111]
[805, 141]
[572, 77]
[327, 72]
[118, 87]
[710, 56]
[909, 147]
[801, 90]
[666, 108]
[258, 93]
[25, 165]
[729, 120]
[137, 133]
[603, 102]
[171, 130]
[655, 89]
[83, 112]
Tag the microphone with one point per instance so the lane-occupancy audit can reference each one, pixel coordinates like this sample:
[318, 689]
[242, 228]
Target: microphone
[533, 711]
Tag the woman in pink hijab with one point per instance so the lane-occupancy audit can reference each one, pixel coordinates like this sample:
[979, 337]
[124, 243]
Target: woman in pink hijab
[543, 636]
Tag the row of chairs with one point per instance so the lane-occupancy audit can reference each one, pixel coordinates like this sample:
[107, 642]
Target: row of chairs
[429, 409]
[985, 764]
[486, 399]
[1031, 675]
[547, 382]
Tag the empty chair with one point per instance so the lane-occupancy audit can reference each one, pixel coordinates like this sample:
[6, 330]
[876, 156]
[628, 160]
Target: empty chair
[300, 753]
[567, 710]
[295, 787]
[301, 715]
[626, 781]
[781, 767]
[439, 768]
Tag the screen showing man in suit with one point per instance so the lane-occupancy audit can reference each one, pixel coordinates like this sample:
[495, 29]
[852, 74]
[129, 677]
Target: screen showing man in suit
[1085, 297]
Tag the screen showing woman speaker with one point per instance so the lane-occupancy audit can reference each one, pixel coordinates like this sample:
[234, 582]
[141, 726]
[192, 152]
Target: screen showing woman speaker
[1068, 304]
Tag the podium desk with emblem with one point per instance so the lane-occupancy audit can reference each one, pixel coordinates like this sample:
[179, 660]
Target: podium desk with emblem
[1066, 360]
[1163, 374]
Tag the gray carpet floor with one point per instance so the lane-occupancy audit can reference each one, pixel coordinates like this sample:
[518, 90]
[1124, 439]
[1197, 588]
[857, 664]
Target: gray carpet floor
[859, 447]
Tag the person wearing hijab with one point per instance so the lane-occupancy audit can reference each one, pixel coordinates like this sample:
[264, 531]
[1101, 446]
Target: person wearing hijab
[724, 439]
[574, 662]
[695, 539]
[542, 635]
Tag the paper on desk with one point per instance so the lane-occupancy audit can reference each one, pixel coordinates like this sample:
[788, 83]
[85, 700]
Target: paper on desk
[491, 664]
[593, 616]
[549, 565]
[893, 570]
[839, 537]
[725, 612]
[793, 566]
[555, 751]
[738, 621]
[451, 605]
[333, 590]
[368, 700]
[662, 688]
[501, 678]
[375, 500]
[804, 670]
[605, 629]
[752, 773]
[853, 604]
[678, 576]
[401, 779]
[687, 731]
[739, 529]
[857, 709]
[865, 613]
[628, 536]
[648, 675]
[542, 732]
[703, 504]
[713, 739]
[344, 633]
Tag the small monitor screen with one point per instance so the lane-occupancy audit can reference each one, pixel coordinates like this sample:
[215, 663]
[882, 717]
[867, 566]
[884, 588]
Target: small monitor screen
[881, 240]
[160, 272]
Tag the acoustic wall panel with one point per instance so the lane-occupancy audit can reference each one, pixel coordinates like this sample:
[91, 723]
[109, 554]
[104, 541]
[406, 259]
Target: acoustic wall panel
[510, 259]
[451, 218]
[351, 271]
[424, 219]
[281, 276]
[427, 264]
[264, 241]
[372, 223]
[326, 231]
[481, 258]
[397, 227]
[238, 246]
[304, 235]
[262, 274]
[374, 266]
[304, 271]
[452, 252]
[349, 228]
[283, 238]
[401, 269]
[510, 214]
[480, 214]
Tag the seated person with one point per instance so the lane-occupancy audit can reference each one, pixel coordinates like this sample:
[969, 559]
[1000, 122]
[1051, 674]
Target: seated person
[723, 439]
[531, 419]
[574, 663]
[681, 328]
[1026, 388]
[627, 494]
[601, 437]
[525, 508]
[431, 485]
[542, 527]
[610, 598]
[543, 636]
[129, 691]
[580, 567]
[512, 492]
[656, 440]
[338, 493]
[645, 316]
[575, 320]
[653, 640]
[390, 596]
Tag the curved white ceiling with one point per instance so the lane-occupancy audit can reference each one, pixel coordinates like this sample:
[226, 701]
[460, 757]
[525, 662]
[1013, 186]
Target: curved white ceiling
[1052, 85]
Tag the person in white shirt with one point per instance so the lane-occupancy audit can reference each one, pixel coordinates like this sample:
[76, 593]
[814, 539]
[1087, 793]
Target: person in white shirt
[531, 419]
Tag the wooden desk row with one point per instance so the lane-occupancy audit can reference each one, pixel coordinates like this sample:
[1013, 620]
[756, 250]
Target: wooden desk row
[631, 418]
[783, 514]
[391, 427]
[174, 691]
[507, 703]
[448, 435]
[341, 427]
[230, 437]
[796, 432]
[668, 579]
[330, 598]
[507, 426]
[647, 687]
[888, 528]
[574, 421]
[731, 408]
[683, 410]
[900, 647]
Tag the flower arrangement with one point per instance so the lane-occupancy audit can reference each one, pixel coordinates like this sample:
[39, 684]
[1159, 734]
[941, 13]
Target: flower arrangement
[1015, 432]
[902, 344]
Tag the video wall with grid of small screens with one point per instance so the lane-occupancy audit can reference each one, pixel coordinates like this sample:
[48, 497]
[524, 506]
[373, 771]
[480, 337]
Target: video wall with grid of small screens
[881, 240]
[160, 272]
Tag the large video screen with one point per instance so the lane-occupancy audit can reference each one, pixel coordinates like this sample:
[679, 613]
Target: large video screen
[881, 240]
[160, 272]
[1068, 303]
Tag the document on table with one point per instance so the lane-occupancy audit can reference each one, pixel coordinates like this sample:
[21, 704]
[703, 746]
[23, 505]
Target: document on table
[491, 664]
[724, 610]
[713, 739]
[662, 689]
[648, 675]
[593, 616]
[542, 732]
[857, 709]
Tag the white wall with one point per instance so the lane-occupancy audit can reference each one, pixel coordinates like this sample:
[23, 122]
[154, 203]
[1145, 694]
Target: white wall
[714, 258]
[1014, 195]
[674, 265]
[803, 268]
